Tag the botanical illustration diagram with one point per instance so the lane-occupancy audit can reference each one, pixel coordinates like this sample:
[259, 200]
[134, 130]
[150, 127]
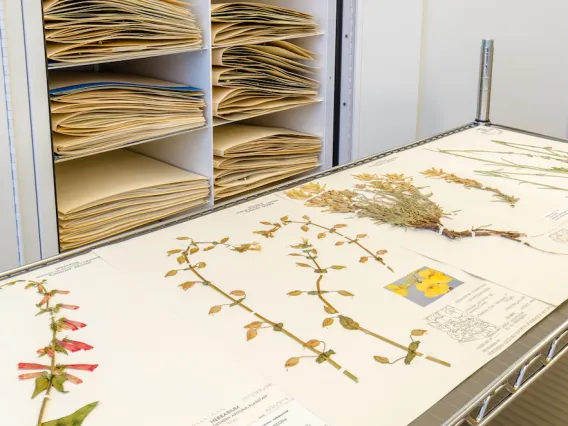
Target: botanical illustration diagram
[424, 286]
[236, 298]
[521, 171]
[461, 326]
[54, 375]
[560, 236]
[395, 200]
[310, 260]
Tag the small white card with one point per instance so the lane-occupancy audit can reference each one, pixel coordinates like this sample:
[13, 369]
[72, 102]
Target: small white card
[266, 406]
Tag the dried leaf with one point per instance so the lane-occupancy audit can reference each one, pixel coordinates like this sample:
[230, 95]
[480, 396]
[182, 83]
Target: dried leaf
[279, 326]
[345, 293]
[174, 252]
[285, 219]
[382, 360]
[75, 419]
[330, 310]
[295, 293]
[320, 271]
[338, 267]
[340, 226]
[364, 259]
[194, 250]
[171, 273]
[266, 223]
[181, 260]
[305, 228]
[239, 293]
[254, 325]
[57, 382]
[412, 348]
[209, 248]
[251, 334]
[418, 333]
[340, 243]
[382, 252]
[314, 251]
[321, 236]
[295, 255]
[41, 384]
[201, 265]
[186, 286]
[215, 310]
[224, 240]
[361, 236]
[183, 238]
[328, 322]
[348, 323]
[292, 362]
[314, 343]
[303, 265]
[297, 194]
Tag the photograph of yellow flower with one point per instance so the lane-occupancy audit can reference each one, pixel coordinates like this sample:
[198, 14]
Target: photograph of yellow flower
[424, 286]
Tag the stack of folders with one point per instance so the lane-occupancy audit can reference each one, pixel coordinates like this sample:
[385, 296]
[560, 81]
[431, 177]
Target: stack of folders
[95, 112]
[107, 194]
[241, 23]
[249, 157]
[88, 31]
[253, 80]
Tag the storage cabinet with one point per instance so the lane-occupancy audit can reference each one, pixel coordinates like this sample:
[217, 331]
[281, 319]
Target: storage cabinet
[190, 150]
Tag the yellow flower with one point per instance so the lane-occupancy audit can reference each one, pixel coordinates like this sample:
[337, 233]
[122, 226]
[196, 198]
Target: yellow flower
[435, 276]
[401, 290]
[434, 284]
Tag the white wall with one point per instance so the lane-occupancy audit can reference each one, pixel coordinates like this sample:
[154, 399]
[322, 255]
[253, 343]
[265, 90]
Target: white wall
[386, 69]
[416, 68]
[530, 86]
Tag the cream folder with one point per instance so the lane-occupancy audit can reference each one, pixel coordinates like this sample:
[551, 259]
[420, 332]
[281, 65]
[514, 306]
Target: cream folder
[95, 112]
[240, 23]
[105, 194]
[80, 32]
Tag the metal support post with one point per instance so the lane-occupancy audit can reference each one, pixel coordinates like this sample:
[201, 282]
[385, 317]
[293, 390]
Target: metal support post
[485, 78]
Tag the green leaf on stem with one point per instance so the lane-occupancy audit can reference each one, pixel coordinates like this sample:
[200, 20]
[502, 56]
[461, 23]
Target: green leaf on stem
[348, 323]
[382, 359]
[325, 356]
[61, 349]
[412, 348]
[57, 382]
[41, 384]
[75, 419]
[345, 293]
[279, 326]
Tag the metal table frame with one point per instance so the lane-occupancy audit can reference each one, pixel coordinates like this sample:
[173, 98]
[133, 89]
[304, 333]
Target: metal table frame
[507, 385]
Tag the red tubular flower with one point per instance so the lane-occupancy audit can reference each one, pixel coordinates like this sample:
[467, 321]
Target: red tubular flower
[85, 367]
[45, 299]
[45, 351]
[73, 307]
[65, 324]
[30, 375]
[31, 366]
[73, 379]
[74, 346]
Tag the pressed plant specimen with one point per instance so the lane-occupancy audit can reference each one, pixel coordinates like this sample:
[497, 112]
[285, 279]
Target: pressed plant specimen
[391, 199]
[306, 224]
[236, 299]
[54, 375]
[312, 261]
[470, 184]
[510, 169]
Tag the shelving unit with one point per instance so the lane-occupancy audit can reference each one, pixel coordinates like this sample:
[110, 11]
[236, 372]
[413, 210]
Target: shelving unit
[189, 150]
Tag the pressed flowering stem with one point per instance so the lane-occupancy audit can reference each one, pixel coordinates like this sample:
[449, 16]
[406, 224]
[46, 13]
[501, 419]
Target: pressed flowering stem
[268, 321]
[364, 330]
[507, 175]
[351, 240]
[52, 365]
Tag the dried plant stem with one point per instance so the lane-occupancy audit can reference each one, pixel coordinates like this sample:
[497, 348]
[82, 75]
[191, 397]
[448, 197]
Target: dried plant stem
[52, 367]
[362, 329]
[345, 237]
[268, 321]
[507, 175]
